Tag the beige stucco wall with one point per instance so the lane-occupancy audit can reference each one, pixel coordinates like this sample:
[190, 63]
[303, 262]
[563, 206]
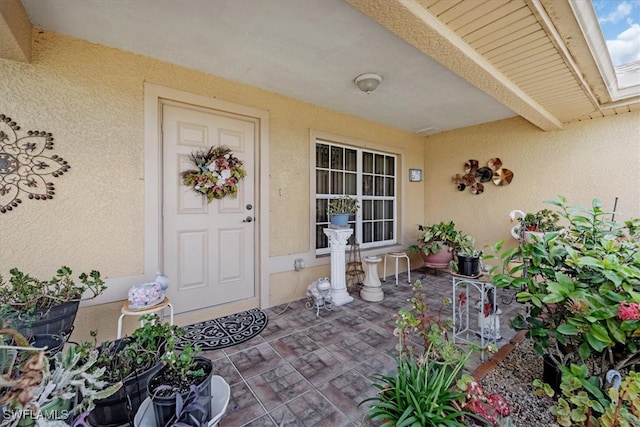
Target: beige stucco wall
[593, 159]
[91, 98]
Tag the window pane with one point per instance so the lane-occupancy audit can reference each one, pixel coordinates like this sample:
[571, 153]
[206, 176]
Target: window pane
[350, 183]
[321, 210]
[388, 230]
[322, 156]
[337, 158]
[337, 186]
[378, 209]
[379, 191]
[367, 232]
[322, 241]
[367, 210]
[322, 182]
[367, 162]
[389, 186]
[390, 168]
[350, 160]
[378, 231]
[367, 185]
[379, 164]
[388, 209]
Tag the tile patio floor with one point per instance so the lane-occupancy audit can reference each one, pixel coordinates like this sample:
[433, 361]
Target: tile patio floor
[304, 370]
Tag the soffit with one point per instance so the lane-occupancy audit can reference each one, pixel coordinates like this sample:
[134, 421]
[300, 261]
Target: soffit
[533, 45]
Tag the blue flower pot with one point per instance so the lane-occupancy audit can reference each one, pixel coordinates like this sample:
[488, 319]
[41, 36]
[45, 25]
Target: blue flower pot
[340, 220]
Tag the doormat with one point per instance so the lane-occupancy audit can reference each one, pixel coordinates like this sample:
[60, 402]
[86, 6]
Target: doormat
[224, 331]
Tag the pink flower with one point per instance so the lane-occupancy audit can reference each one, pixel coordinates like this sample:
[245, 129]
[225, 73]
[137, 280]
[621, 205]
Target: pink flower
[629, 311]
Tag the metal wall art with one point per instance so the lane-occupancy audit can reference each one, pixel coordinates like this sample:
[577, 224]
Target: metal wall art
[24, 165]
[475, 176]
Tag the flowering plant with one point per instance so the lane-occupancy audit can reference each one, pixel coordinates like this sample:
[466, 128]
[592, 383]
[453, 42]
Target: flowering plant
[583, 288]
[217, 175]
[492, 407]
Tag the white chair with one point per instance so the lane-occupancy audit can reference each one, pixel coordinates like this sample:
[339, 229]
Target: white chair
[396, 256]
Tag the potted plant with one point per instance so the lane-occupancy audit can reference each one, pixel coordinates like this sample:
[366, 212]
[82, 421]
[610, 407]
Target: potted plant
[584, 402]
[467, 257]
[341, 208]
[579, 285]
[36, 307]
[58, 388]
[427, 389]
[436, 243]
[540, 222]
[170, 389]
[133, 361]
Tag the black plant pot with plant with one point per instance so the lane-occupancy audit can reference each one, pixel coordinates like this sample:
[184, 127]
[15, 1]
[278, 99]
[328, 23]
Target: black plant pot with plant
[134, 360]
[181, 391]
[46, 307]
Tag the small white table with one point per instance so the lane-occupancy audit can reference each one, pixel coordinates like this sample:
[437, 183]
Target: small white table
[128, 311]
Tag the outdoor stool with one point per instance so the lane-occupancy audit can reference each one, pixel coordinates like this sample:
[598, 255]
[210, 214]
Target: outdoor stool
[127, 311]
[396, 256]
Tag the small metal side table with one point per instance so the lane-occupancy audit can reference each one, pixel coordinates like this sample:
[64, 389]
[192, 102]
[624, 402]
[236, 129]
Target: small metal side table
[464, 287]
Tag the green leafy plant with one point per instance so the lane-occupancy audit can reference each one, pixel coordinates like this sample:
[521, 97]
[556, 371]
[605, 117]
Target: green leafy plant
[580, 286]
[420, 394]
[423, 392]
[344, 204]
[432, 238]
[544, 220]
[26, 294]
[140, 351]
[433, 329]
[583, 403]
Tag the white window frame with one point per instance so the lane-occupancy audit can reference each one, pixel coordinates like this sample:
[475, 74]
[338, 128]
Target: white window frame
[360, 196]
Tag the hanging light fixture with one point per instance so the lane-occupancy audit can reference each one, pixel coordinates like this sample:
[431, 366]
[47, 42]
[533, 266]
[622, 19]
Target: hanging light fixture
[368, 82]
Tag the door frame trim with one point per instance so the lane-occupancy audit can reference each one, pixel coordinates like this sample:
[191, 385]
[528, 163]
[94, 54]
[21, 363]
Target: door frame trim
[153, 96]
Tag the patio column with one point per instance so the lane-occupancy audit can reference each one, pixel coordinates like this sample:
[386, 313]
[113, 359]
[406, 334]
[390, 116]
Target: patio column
[372, 288]
[338, 243]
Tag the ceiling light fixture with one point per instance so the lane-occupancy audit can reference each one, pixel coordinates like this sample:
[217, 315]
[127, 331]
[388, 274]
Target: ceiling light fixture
[368, 82]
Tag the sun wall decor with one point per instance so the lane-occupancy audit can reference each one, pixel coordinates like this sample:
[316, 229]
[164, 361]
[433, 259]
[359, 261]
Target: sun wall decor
[476, 176]
[25, 165]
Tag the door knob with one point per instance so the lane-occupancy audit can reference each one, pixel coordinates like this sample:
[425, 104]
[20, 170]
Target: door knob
[248, 219]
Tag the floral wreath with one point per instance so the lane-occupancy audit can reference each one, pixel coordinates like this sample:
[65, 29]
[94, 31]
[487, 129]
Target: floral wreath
[217, 175]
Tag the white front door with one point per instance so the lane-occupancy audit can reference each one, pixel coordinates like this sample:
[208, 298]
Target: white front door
[208, 248]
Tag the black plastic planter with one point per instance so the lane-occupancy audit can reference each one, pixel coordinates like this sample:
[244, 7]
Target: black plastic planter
[116, 409]
[164, 408]
[57, 320]
[551, 374]
[468, 265]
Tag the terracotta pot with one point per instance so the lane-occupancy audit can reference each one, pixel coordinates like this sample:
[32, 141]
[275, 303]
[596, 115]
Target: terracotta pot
[439, 259]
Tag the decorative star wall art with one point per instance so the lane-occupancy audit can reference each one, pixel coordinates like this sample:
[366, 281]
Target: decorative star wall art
[25, 166]
[475, 176]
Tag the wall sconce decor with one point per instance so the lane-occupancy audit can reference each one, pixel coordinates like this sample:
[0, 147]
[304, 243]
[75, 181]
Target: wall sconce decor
[415, 175]
[475, 176]
[24, 165]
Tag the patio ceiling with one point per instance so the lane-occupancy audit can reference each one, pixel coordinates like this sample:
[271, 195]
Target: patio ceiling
[446, 64]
